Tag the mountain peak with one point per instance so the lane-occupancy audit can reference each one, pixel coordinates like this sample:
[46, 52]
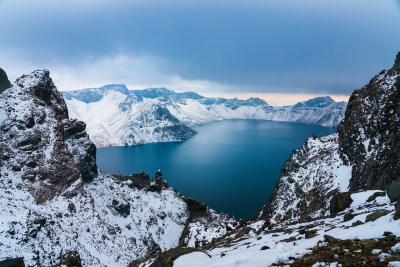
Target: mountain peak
[321, 101]
[120, 87]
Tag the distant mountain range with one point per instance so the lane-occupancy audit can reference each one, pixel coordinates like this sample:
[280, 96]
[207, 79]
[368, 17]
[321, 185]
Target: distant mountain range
[116, 116]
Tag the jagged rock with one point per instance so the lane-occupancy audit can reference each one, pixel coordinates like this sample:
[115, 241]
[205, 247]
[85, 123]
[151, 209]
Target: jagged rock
[340, 202]
[71, 259]
[393, 191]
[4, 82]
[35, 130]
[158, 184]
[375, 195]
[348, 217]
[81, 147]
[12, 262]
[369, 133]
[264, 248]
[376, 215]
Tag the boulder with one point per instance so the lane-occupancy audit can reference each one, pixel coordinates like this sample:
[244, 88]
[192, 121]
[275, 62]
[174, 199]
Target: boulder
[330, 239]
[348, 217]
[376, 215]
[393, 191]
[375, 195]
[340, 202]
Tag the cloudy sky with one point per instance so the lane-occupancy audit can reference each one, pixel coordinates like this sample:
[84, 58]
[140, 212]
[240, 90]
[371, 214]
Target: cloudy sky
[286, 47]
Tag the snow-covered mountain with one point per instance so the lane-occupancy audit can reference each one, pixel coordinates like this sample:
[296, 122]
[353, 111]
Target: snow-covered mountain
[57, 209]
[337, 202]
[118, 116]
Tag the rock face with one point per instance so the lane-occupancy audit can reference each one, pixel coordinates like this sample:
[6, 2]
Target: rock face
[32, 139]
[309, 179]
[364, 154]
[83, 150]
[4, 82]
[369, 134]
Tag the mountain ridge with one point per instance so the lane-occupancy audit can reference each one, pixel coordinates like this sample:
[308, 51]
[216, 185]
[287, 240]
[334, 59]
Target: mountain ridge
[138, 108]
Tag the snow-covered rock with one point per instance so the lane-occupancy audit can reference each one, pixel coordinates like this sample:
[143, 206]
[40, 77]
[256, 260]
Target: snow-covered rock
[258, 244]
[118, 116]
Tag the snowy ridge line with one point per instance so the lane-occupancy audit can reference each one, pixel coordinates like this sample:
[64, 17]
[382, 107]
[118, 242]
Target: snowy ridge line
[116, 116]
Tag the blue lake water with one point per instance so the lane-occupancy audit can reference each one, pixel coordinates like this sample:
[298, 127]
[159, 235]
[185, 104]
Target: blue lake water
[231, 165]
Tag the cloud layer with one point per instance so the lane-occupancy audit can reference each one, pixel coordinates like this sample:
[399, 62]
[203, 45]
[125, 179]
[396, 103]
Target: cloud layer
[284, 46]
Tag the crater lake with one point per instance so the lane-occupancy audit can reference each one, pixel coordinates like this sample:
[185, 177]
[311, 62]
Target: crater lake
[231, 165]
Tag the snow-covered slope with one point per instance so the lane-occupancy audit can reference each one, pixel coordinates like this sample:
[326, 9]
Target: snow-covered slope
[117, 116]
[49, 216]
[257, 243]
[118, 119]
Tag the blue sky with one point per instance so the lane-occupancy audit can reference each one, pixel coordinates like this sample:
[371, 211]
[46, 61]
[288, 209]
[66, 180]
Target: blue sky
[275, 46]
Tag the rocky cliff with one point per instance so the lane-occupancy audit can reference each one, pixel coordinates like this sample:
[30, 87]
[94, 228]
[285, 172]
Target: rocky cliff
[369, 134]
[363, 155]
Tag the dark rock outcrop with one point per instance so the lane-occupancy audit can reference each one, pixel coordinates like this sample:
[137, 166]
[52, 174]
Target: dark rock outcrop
[123, 208]
[369, 134]
[71, 259]
[4, 82]
[15, 262]
[81, 147]
[196, 208]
